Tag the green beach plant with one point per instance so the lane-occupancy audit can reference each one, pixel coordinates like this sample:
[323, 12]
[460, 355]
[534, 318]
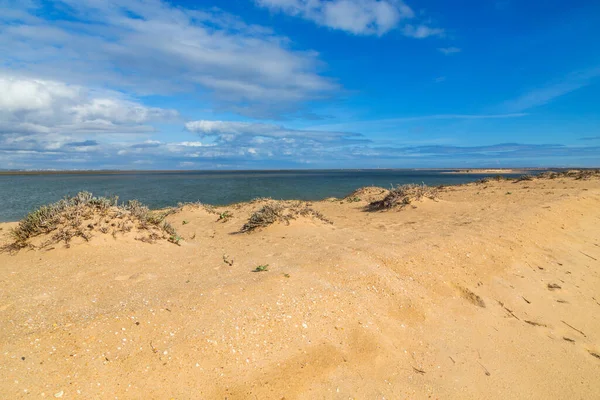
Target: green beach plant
[175, 239]
[261, 268]
[225, 216]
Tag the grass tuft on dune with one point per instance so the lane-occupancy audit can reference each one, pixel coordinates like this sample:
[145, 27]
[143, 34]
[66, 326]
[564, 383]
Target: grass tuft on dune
[403, 195]
[83, 214]
[280, 211]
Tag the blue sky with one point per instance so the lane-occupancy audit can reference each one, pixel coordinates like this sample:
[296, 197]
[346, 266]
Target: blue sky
[251, 84]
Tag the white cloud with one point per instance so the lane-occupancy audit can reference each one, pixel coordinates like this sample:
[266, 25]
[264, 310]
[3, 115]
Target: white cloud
[358, 17]
[27, 95]
[38, 106]
[192, 144]
[449, 50]
[422, 31]
[225, 143]
[118, 111]
[152, 47]
[49, 121]
[231, 131]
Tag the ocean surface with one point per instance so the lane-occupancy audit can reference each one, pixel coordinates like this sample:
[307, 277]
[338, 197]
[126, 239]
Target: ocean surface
[20, 194]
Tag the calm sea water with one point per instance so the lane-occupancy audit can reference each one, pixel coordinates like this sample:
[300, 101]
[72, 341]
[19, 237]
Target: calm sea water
[19, 194]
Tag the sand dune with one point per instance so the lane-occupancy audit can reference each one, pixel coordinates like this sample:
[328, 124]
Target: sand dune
[488, 291]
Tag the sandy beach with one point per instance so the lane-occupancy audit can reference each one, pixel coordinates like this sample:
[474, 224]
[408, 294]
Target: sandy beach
[489, 290]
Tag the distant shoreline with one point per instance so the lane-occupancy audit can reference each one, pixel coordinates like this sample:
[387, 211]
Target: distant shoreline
[170, 171]
[494, 171]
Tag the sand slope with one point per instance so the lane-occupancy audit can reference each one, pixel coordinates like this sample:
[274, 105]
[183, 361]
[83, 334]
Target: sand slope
[450, 299]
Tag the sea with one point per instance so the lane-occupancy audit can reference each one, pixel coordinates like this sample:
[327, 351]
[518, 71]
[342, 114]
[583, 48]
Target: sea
[19, 194]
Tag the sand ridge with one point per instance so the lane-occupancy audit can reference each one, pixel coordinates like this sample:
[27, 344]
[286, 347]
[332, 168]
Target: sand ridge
[488, 291]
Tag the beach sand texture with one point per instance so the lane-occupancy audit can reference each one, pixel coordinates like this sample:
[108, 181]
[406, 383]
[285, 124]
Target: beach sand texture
[490, 291]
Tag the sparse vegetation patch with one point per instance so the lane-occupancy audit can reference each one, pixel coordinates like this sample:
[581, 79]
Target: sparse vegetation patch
[585, 174]
[525, 178]
[403, 195]
[576, 174]
[84, 214]
[280, 211]
[573, 174]
[488, 179]
[548, 175]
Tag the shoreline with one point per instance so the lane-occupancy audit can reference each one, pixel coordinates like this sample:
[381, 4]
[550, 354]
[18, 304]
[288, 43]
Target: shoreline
[244, 203]
[501, 171]
[492, 174]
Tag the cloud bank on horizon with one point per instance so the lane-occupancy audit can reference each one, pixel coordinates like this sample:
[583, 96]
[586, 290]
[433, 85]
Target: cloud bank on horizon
[150, 84]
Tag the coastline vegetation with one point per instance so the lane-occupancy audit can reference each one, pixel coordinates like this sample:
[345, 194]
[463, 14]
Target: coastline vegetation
[83, 214]
[280, 211]
[403, 195]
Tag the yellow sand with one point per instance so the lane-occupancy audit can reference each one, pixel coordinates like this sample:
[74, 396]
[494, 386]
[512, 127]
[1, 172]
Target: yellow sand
[376, 305]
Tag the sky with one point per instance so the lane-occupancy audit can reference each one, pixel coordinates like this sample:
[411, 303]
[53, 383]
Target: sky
[286, 84]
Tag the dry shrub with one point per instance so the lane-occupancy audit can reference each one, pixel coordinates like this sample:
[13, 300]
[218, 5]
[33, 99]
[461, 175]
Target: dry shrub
[585, 174]
[404, 195]
[525, 178]
[548, 175]
[573, 174]
[265, 216]
[488, 179]
[80, 215]
[279, 211]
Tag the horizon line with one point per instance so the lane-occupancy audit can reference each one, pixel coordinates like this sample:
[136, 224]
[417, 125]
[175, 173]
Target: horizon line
[122, 171]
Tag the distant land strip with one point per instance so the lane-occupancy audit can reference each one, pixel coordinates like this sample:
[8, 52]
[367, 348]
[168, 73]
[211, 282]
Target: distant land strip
[171, 171]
